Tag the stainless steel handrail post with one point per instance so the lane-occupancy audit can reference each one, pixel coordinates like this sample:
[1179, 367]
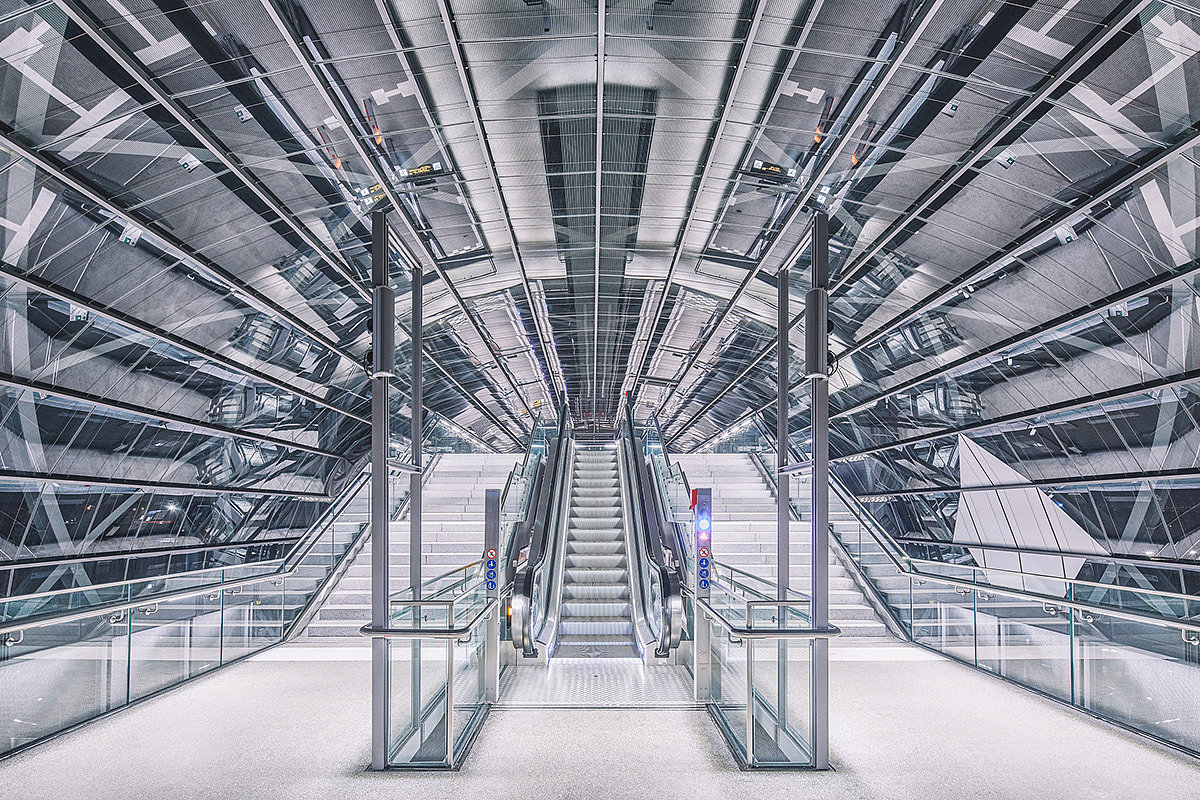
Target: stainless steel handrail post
[816, 357]
[383, 312]
[491, 544]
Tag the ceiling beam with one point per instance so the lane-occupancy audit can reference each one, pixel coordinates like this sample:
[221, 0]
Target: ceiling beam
[1070, 69]
[341, 114]
[168, 420]
[175, 247]
[1074, 404]
[718, 133]
[50, 290]
[1011, 253]
[85, 19]
[460, 63]
[601, 24]
[915, 28]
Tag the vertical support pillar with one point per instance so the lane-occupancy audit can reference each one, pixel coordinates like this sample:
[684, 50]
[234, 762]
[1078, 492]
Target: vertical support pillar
[783, 488]
[383, 361]
[783, 499]
[418, 424]
[416, 481]
[491, 565]
[816, 357]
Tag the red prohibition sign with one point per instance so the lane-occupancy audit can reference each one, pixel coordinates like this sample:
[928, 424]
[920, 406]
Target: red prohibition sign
[491, 553]
[704, 552]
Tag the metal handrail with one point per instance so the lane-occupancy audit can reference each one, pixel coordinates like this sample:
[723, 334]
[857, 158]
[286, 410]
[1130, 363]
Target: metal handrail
[884, 539]
[750, 632]
[428, 633]
[539, 524]
[1110, 558]
[671, 577]
[156, 552]
[653, 420]
[732, 569]
[72, 615]
[67, 590]
[396, 598]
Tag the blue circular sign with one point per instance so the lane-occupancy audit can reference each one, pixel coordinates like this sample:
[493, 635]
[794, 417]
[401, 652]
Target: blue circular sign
[491, 585]
[703, 584]
[704, 563]
[703, 573]
[491, 573]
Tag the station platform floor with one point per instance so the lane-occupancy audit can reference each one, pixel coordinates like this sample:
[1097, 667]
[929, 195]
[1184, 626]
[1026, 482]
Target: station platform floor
[292, 722]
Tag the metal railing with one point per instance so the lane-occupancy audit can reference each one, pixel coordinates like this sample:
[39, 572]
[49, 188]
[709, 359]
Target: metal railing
[536, 547]
[149, 641]
[451, 629]
[657, 563]
[1092, 643]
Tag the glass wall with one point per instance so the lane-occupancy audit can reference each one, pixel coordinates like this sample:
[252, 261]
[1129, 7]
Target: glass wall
[161, 633]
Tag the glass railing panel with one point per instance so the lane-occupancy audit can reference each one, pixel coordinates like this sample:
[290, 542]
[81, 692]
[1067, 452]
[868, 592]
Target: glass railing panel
[1140, 674]
[766, 616]
[728, 675]
[1025, 641]
[66, 601]
[252, 620]
[470, 700]
[728, 602]
[420, 716]
[943, 617]
[782, 702]
[155, 645]
[59, 675]
[172, 641]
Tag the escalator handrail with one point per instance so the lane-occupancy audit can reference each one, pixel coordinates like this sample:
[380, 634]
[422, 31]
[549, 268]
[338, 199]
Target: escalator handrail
[668, 531]
[658, 537]
[539, 527]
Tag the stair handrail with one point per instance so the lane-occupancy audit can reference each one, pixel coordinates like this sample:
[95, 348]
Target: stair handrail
[903, 563]
[535, 539]
[288, 566]
[660, 539]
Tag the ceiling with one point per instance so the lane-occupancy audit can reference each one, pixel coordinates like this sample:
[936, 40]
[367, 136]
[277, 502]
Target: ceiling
[188, 188]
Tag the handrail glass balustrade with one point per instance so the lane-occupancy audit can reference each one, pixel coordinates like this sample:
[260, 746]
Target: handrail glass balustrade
[1129, 654]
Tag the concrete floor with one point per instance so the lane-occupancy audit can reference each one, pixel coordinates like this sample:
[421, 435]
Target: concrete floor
[292, 723]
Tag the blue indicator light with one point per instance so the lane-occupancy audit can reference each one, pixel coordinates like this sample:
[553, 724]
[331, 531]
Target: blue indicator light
[704, 524]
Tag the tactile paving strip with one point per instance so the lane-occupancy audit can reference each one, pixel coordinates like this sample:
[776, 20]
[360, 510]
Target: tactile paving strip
[596, 683]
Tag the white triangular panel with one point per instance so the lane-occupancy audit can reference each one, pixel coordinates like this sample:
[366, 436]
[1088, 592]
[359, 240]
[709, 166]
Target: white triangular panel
[1024, 518]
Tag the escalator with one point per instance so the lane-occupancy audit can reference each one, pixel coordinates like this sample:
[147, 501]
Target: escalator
[595, 618]
[602, 570]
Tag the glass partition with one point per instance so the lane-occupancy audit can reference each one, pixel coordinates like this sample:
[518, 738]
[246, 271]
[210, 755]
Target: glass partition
[437, 691]
[760, 678]
[155, 634]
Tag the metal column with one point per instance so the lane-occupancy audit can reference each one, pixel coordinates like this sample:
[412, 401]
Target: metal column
[418, 424]
[491, 564]
[783, 509]
[415, 482]
[783, 481]
[816, 361]
[383, 363]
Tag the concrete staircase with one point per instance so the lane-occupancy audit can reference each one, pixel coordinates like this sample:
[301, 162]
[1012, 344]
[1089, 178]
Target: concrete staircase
[744, 530]
[596, 616]
[452, 535]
